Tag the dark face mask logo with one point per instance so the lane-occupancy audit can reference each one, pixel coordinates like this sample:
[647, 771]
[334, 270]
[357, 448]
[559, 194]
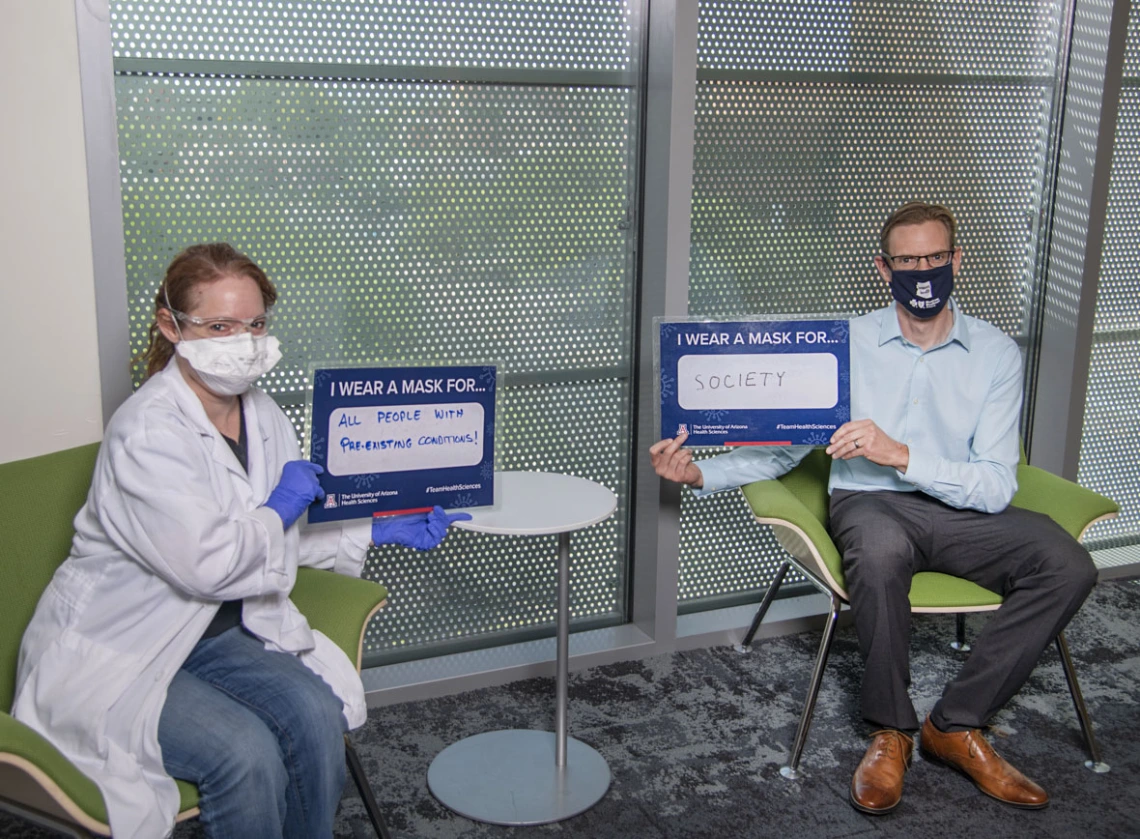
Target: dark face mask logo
[923, 293]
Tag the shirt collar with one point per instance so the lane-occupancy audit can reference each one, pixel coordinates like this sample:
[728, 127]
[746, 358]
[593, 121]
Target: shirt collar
[889, 329]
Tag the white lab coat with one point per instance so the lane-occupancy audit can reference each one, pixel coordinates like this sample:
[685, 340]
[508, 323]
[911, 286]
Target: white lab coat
[172, 526]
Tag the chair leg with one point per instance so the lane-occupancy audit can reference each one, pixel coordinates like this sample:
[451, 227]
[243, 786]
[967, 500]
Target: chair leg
[792, 769]
[1094, 763]
[356, 769]
[746, 644]
[960, 644]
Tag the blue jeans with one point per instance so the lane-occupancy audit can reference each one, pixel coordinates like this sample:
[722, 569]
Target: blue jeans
[260, 734]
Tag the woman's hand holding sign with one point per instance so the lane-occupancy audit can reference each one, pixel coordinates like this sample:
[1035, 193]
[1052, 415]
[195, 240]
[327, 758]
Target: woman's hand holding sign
[422, 531]
[295, 491]
[862, 438]
[673, 463]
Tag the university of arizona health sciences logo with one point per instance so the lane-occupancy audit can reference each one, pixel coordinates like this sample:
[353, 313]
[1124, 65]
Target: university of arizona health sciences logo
[923, 290]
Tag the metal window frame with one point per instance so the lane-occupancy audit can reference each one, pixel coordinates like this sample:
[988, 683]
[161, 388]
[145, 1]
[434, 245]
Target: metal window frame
[97, 87]
[1062, 351]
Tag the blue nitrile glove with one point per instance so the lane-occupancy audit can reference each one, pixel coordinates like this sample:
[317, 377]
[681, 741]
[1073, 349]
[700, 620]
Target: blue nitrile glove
[422, 531]
[295, 491]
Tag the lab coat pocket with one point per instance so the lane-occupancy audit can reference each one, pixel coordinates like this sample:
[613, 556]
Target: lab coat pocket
[71, 689]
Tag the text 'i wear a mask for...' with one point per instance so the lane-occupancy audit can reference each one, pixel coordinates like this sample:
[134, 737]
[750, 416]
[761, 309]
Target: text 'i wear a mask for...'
[229, 365]
[923, 293]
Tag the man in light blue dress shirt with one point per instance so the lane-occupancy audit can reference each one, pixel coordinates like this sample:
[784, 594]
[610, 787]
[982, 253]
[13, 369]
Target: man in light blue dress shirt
[921, 480]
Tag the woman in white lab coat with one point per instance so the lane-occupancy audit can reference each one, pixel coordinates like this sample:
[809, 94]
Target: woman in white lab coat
[167, 644]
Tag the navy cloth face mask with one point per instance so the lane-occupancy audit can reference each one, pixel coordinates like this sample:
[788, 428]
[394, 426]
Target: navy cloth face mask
[923, 293]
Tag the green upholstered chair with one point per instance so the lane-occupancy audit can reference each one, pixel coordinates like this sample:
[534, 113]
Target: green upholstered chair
[796, 506]
[39, 498]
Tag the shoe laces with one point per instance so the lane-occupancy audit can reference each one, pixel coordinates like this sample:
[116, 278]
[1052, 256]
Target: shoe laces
[894, 744]
[979, 745]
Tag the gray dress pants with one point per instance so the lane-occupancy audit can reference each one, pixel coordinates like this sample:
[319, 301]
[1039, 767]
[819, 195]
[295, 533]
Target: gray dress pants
[886, 537]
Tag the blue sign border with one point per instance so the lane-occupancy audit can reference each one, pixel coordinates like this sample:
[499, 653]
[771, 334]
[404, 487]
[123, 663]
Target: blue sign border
[750, 426]
[410, 490]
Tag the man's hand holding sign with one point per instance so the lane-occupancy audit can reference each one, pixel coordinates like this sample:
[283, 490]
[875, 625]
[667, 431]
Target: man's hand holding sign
[862, 438]
[674, 463]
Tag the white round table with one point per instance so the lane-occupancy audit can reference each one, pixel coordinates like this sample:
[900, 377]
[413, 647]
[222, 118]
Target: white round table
[518, 776]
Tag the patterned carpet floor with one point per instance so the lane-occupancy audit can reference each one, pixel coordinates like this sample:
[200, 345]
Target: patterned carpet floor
[695, 740]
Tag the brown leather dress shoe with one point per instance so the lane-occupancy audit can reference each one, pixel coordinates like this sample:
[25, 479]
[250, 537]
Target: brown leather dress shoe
[970, 753]
[876, 786]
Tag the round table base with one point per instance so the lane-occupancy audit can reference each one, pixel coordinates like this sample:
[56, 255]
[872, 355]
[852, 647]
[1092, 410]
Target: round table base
[509, 777]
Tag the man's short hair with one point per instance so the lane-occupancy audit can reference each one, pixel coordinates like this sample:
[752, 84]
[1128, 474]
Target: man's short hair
[916, 212]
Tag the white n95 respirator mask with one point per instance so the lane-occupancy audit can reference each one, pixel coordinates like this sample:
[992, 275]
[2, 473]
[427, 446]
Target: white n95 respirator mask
[229, 365]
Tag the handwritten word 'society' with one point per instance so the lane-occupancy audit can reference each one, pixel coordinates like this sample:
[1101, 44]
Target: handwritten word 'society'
[753, 378]
[757, 381]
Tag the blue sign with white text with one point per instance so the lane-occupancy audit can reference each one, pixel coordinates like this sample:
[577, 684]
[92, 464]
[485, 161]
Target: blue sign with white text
[402, 439]
[762, 382]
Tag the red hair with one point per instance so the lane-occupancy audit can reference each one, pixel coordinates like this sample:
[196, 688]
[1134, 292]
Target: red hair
[195, 266]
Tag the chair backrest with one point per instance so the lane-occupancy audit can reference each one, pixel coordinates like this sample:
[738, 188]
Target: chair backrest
[39, 498]
[796, 507]
[808, 482]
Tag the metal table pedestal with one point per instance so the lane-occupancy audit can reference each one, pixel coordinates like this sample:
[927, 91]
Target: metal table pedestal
[517, 777]
[509, 777]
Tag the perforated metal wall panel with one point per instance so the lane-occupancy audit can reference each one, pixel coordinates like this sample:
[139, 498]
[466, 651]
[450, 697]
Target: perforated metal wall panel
[549, 34]
[1132, 49]
[1109, 461]
[816, 120]
[1118, 304]
[1108, 464]
[409, 216]
[965, 37]
[402, 221]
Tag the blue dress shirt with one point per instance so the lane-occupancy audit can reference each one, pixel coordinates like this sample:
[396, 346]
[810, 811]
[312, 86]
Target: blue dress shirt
[956, 406]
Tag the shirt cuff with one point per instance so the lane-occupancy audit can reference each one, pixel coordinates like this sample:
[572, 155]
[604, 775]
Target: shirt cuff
[712, 478]
[920, 470]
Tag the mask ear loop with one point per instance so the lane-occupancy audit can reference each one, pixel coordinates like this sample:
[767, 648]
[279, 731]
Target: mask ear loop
[169, 308]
